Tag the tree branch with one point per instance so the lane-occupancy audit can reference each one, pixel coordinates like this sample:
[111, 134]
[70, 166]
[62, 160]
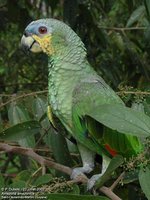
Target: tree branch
[109, 193]
[29, 152]
[112, 187]
[45, 162]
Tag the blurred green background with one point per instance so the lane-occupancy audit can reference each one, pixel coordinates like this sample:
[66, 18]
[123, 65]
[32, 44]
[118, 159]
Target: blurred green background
[121, 55]
[116, 34]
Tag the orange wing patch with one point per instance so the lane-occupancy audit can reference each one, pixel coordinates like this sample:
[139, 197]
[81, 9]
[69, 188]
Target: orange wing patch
[110, 150]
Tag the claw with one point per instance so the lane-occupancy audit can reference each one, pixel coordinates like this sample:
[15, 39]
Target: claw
[76, 172]
[95, 177]
[91, 182]
[80, 171]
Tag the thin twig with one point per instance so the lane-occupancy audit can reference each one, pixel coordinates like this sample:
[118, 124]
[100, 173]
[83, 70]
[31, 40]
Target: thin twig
[22, 96]
[45, 150]
[25, 94]
[112, 187]
[44, 162]
[22, 84]
[42, 135]
[123, 28]
[36, 172]
[9, 175]
[134, 92]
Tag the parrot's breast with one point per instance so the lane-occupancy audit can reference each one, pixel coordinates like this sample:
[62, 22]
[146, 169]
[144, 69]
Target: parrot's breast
[60, 88]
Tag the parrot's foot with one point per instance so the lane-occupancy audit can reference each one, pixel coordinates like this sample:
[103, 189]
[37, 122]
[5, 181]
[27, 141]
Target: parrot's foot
[81, 171]
[92, 181]
[94, 178]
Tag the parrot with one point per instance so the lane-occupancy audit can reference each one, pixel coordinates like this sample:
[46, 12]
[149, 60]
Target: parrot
[77, 95]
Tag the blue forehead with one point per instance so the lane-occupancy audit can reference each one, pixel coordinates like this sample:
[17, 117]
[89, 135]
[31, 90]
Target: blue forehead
[34, 26]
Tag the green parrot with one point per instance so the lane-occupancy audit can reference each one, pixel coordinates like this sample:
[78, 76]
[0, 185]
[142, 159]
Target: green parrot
[77, 95]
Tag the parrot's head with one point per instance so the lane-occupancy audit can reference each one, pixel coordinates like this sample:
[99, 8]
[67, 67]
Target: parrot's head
[50, 36]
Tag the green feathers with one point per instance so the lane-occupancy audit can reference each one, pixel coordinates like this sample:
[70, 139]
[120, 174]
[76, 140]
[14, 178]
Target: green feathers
[80, 98]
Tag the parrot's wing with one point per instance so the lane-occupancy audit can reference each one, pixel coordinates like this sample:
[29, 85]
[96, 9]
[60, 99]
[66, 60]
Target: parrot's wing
[95, 103]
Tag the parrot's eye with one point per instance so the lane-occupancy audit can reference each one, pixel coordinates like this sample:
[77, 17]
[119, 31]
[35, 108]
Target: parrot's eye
[42, 30]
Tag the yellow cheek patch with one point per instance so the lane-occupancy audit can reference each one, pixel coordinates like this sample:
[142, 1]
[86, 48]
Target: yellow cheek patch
[45, 43]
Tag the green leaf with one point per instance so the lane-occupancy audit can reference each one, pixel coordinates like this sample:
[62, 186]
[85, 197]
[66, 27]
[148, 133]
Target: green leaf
[46, 178]
[147, 6]
[117, 39]
[114, 164]
[60, 151]
[28, 141]
[19, 131]
[1, 181]
[18, 184]
[123, 119]
[23, 176]
[39, 107]
[2, 185]
[144, 179]
[1, 123]
[147, 108]
[135, 16]
[74, 197]
[72, 147]
[130, 176]
[17, 114]
[138, 106]
[75, 189]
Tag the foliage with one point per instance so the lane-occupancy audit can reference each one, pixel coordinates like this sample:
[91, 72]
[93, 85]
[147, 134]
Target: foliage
[116, 35]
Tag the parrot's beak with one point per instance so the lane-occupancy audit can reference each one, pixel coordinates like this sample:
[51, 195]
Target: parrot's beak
[28, 43]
